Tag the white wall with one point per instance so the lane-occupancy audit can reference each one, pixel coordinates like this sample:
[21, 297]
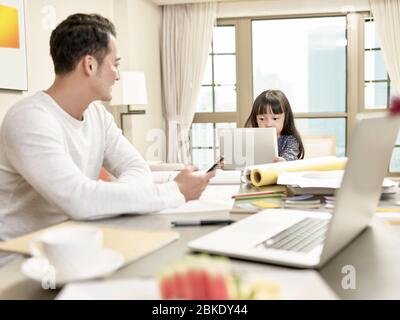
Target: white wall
[41, 16]
[138, 24]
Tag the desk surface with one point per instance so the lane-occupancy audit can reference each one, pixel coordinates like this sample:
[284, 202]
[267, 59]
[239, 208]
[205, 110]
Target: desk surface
[374, 254]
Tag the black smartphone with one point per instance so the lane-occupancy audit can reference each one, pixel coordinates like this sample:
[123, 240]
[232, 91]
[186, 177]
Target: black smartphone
[215, 165]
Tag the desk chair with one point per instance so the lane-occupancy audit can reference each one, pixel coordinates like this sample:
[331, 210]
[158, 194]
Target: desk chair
[319, 146]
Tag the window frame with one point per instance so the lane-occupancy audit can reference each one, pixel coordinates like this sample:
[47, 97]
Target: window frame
[355, 101]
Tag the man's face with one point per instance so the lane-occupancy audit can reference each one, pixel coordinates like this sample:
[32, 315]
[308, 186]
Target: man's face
[108, 72]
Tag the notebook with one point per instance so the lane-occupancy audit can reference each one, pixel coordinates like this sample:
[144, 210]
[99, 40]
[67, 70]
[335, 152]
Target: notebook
[216, 198]
[132, 244]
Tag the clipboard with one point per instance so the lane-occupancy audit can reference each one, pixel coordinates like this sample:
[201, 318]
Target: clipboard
[131, 243]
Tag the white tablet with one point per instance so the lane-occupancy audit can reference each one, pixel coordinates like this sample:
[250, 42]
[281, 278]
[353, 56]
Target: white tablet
[242, 147]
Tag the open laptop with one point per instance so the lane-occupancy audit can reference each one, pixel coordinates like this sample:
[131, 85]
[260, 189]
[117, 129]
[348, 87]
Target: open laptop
[308, 239]
[242, 147]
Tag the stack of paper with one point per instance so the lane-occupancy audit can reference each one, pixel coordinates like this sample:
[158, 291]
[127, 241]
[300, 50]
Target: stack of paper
[251, 200]
[322, 183]
[303, 202]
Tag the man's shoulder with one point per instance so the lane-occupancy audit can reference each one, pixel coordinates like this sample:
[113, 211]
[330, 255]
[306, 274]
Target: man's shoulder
[98, 110]
[27, 106]
[28, 112]
[98, 106]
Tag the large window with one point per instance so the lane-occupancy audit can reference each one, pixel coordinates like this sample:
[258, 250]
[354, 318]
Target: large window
[317, 61]
[306, 59]
[378, 90]
[217, 97]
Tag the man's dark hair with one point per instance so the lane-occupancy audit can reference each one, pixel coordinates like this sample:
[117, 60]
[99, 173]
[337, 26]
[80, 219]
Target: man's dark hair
[79, 35]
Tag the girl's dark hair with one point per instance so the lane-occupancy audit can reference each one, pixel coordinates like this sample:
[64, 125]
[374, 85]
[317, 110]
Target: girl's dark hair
[277, 101]
[78, 35]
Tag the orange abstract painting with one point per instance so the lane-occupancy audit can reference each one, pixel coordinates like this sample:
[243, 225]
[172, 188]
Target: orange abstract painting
[9, 31]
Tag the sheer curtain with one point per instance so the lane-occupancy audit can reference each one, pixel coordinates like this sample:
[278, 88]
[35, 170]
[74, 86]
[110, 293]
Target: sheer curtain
[387, 20]
[186, 38]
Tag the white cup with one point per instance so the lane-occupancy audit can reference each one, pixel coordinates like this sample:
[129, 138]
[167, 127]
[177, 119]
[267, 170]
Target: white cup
[70, 250]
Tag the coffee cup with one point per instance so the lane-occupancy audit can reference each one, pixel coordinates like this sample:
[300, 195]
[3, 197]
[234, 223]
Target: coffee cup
[70, 250]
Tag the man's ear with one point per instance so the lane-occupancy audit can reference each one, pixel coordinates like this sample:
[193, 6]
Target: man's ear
[89, 65]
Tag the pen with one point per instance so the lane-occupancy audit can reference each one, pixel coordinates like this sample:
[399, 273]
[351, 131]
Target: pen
[187, 223]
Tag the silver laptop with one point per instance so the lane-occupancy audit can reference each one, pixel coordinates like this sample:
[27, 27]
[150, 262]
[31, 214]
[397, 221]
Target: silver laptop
[308, 239]
[242, 147]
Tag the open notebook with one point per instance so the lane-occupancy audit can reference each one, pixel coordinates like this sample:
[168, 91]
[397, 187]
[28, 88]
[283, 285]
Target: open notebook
[221, 177]
[216, 198]
[132, 244]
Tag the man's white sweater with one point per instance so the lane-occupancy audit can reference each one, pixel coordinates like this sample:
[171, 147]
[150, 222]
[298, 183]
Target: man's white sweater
[50, 164]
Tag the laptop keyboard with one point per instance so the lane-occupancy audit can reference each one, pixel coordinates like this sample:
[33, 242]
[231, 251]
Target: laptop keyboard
[303, 236]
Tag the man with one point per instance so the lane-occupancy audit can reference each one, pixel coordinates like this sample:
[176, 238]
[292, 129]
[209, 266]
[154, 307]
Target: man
[54, 144]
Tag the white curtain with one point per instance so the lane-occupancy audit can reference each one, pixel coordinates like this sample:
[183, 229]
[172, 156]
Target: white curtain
[186, 38]
[387, 20]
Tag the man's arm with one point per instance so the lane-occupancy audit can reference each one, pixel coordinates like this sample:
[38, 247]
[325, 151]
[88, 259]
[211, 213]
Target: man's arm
[120, 157]
[34, 146]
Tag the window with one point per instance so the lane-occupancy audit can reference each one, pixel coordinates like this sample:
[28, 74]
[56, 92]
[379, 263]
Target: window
[377, 86]
[217, 105]
[306, 59]
[315, 61]
[378, 90]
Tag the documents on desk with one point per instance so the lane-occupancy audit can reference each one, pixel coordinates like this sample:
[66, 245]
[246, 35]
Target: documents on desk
[132, 244]
[251, 199]
[295, 284]
[216, 198]
[267, 174]
[322, 183]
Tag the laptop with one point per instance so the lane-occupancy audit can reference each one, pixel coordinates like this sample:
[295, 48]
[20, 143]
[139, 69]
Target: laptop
[308, 239]
[242, 147]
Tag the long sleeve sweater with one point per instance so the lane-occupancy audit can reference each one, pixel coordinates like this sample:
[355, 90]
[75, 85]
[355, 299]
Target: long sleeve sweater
[50, 164]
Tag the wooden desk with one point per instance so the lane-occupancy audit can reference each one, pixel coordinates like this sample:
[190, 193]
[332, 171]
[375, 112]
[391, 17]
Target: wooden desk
[375, 254]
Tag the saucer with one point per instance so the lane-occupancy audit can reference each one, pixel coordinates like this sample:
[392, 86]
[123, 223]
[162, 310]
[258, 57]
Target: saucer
[39, 269]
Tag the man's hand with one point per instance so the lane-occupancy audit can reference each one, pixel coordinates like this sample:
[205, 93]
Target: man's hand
[192, 185]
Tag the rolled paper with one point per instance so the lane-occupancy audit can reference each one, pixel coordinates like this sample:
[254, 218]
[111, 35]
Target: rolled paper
[268, 174]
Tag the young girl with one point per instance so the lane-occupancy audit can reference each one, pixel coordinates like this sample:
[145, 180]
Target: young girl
[272, 109]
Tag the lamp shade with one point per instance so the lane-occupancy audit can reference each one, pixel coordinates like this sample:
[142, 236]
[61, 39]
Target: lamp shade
[130, 89]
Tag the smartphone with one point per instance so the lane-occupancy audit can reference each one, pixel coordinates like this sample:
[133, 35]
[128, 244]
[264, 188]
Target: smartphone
[215, 165]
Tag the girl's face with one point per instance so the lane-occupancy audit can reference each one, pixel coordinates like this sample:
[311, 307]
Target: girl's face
[271, 120]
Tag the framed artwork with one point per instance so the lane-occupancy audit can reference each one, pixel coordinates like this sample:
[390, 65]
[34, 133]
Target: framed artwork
[13, 66]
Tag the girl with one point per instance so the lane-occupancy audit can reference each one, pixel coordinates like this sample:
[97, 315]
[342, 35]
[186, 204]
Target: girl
[272, 109]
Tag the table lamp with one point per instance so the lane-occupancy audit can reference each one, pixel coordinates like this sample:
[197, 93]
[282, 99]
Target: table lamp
[130, 91]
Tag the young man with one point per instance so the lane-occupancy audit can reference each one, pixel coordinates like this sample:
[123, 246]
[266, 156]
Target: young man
[54, 144]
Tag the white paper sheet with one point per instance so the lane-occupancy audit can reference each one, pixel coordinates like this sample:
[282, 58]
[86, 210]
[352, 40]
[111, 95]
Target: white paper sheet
[320, 179]
[294, 284]
[214, 198]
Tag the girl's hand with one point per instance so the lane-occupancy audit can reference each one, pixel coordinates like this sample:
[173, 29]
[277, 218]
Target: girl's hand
[279, 159]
